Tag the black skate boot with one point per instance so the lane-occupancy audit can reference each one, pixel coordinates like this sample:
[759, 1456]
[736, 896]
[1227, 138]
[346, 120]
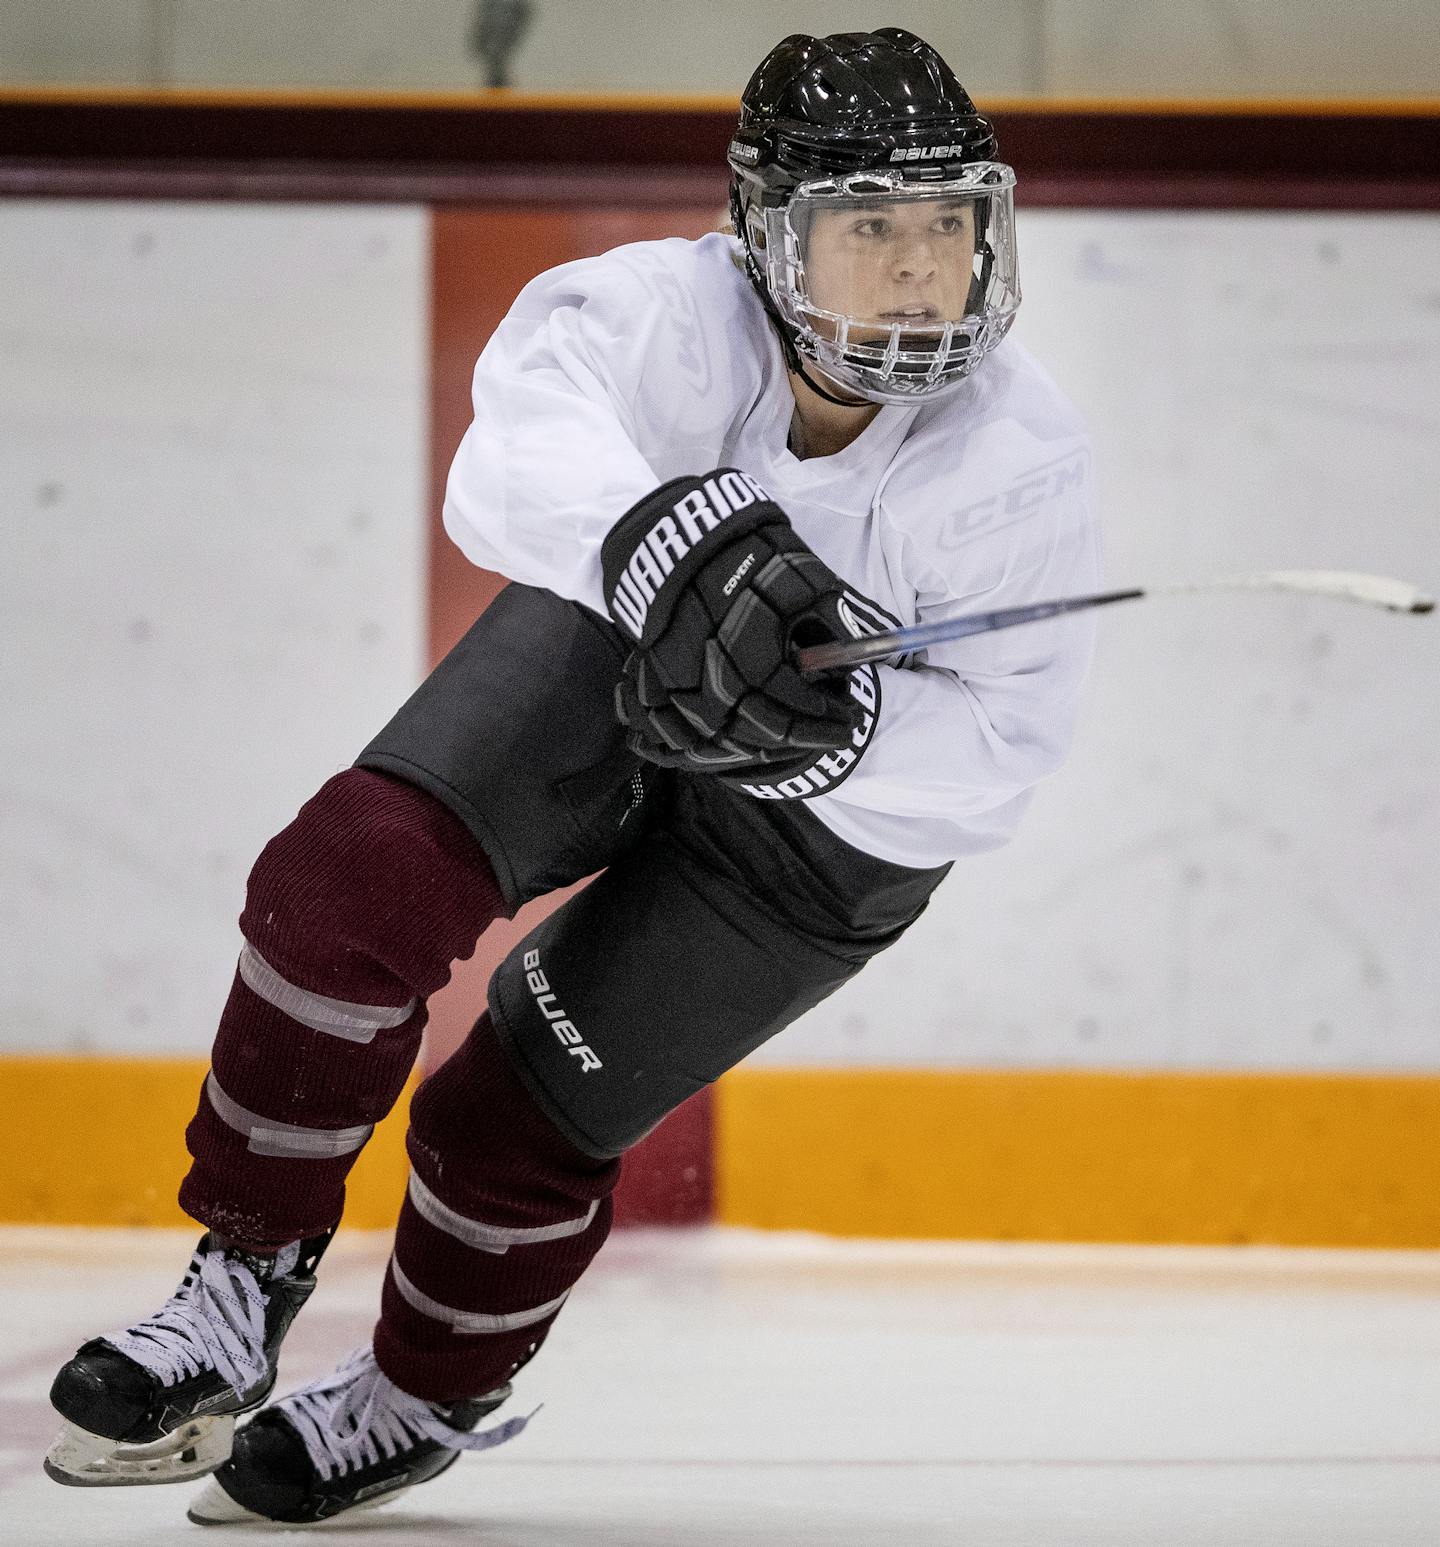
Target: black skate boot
[157, 1402]
[352, 1440]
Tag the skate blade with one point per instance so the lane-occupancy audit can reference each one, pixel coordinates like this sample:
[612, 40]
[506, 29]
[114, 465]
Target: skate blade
[214, 1507]
[80, 1459]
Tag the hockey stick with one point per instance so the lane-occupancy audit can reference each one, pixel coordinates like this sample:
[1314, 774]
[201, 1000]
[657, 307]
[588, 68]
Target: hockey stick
[1344, 585]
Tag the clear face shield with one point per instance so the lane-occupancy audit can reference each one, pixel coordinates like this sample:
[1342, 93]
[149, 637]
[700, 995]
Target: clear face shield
[896, 289]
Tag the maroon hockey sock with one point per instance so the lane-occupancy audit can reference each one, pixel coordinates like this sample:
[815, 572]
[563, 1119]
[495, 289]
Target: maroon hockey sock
[502, 1216]
[353, 917]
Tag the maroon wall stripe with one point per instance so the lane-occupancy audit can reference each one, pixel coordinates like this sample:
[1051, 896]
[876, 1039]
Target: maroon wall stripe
[447, 152]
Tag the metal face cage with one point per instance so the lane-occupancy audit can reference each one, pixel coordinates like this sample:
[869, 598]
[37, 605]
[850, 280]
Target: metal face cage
[894, 286]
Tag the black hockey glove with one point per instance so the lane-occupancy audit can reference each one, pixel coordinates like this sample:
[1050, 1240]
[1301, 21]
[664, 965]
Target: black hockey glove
[711, 581]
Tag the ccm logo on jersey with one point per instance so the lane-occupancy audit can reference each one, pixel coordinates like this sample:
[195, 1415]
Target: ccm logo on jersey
[927, 153]
[667, 542]
[565, 1033]
[1031, 494]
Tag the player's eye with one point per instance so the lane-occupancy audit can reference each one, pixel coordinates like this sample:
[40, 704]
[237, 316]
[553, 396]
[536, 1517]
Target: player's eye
[872, 226]
[950, 225]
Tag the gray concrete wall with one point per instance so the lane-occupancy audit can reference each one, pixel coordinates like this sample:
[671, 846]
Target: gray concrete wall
[1132, 48]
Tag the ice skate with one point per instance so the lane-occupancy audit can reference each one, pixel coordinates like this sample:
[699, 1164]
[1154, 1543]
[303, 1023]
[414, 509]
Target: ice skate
[157, 1402]
[352, 1440]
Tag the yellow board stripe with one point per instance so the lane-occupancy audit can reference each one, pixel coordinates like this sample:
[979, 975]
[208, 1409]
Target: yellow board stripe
[101, 1141]
[1322, 1160]
[1312, 1160]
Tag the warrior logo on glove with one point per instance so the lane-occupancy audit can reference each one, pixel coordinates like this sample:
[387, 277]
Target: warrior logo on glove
[697, 513]
[718, 591]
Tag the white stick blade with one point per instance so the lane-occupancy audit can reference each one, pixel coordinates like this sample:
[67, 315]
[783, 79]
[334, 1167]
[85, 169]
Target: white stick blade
[1342, 584]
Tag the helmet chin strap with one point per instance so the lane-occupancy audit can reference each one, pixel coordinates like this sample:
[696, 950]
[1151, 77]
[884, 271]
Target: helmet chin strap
[797, 365]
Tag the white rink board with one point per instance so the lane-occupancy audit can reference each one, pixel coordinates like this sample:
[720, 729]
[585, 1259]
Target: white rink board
[212, 475]
[1238, 867]
[212, 484]
[727, 1389]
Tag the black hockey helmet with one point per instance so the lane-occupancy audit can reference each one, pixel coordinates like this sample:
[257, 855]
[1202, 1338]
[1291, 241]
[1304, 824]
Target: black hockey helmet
[847, 103]
[818, 113]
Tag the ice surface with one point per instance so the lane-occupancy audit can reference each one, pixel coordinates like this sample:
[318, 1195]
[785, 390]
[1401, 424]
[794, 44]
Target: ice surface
[724, 1389]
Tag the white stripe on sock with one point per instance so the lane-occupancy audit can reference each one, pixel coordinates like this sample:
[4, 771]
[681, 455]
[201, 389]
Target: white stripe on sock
[472, 1321]
[264, 1136]
[491, 1238]
[335, 1017]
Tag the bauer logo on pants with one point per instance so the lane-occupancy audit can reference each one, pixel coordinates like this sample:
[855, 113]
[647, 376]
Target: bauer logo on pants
[564, 1028]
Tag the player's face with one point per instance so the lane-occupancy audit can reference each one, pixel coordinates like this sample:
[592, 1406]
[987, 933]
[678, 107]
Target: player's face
[892, 260]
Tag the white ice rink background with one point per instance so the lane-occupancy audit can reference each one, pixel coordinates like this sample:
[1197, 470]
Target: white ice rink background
[723, 1389]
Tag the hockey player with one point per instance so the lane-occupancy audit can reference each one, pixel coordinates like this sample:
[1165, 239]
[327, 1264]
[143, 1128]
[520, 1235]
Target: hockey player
[689, 457]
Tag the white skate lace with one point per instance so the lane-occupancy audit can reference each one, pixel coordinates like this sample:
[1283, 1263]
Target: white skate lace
[216, 1319]
[354, 1416]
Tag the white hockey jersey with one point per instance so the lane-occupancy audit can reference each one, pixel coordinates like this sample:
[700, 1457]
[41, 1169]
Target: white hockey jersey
[612, 375]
